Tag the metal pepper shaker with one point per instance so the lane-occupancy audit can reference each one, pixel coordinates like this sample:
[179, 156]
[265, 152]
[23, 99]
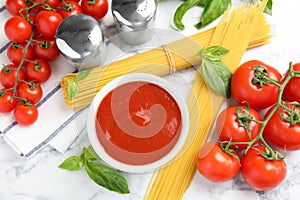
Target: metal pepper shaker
[81, 41]
[133, 19]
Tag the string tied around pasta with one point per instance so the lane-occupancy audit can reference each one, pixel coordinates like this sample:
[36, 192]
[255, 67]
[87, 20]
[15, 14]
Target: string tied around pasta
[170, 58]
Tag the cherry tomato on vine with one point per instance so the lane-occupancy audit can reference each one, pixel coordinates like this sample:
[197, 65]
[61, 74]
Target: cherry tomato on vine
[95, 8]
[67, 8]
[17, 29]
[260, 173]
[38, 71]
[15, 53]
[47, 22]
[46, 48]
[25, 113]
[231, 125]
[8, 76]
[283, 128]
[291, 91]
[14, 6]
[7, 101]
[215, 164]
[31, 92]
[246, 86]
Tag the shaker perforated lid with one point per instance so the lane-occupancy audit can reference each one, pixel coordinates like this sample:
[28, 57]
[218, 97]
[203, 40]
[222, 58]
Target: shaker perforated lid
[79, 38]
[134, 13]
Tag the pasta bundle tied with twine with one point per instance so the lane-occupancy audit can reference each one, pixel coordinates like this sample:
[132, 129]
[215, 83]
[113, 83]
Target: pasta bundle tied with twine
[239, 29]
[80, 88]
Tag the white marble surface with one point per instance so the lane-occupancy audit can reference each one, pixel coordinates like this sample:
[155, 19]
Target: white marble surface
[39, 178]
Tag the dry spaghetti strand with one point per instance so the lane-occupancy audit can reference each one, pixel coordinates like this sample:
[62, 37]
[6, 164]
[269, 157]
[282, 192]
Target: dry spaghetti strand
[234, 33]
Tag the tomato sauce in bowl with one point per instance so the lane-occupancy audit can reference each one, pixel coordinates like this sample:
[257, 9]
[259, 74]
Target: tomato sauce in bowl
[137, 121]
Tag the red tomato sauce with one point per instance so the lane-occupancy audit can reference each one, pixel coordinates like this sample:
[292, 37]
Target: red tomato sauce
[138, 123]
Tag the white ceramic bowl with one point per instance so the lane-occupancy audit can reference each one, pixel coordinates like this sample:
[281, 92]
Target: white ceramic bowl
[91, 127]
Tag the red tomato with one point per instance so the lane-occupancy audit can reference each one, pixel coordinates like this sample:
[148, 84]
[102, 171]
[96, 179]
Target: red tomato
[31, 92]
[17, 29]
[8, 76]
[260, 173]
[244, 89]
[38, 71]
[95, 8]
[52, 3]
[25, 114]
[47, 22]
[215, 164]
[15, 53]
[7, 101]
[46, 48]
[291, 91]
[281, 132]
[67, 8]
[229, 128]
[14, 6]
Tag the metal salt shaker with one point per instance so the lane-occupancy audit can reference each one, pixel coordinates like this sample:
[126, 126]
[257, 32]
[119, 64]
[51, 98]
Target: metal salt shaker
[81, 41]
[133, 19]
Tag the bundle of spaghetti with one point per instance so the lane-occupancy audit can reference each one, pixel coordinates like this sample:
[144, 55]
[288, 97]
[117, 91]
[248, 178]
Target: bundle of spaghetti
[234, 33]
[153, 61]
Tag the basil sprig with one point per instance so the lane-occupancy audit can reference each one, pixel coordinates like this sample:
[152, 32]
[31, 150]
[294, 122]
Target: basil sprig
[181, 10]
[212, 9]
[99, 172]
[73, 85]
[215, 72]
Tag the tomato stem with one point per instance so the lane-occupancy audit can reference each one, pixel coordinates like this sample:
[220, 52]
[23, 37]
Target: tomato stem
[225, 146]
[17, 45]
[32, 6]
[21, 63]
[261, 78]
[91, 2]
[68, 7]
[244, 117]
[44, 44]
[293, 114]
[278, 104]
[7, 70]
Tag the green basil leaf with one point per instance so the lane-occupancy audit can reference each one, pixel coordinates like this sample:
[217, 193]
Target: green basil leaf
[268, 8]
[73, 163]
[106, 177]
[72, 89]
[90, 154]
[218, 76]
[83, 74]
[203, 3]
[181, 10]
[212, 11]
[213, 53]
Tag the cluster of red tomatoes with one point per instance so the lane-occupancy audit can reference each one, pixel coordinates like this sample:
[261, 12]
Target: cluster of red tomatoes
[250, 141]
[31, 29]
